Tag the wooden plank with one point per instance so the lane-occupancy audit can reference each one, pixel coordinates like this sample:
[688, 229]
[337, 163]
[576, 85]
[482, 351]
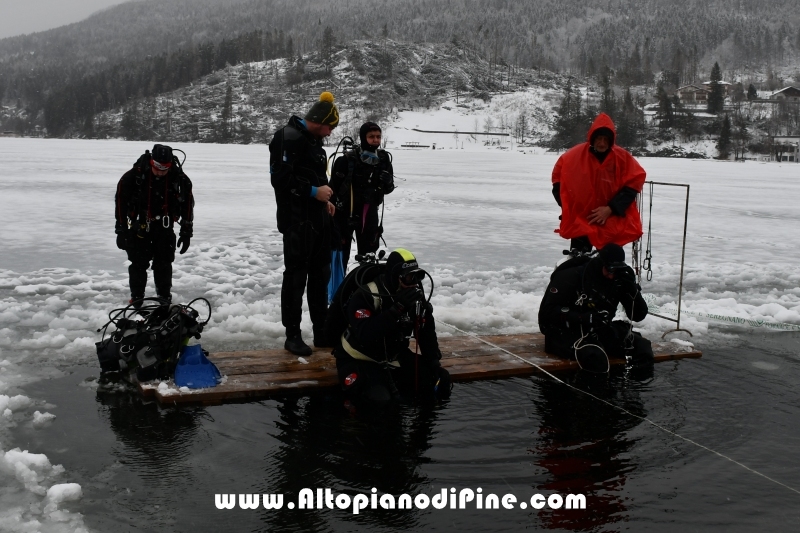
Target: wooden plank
[262, 367]
[255, 374]
[273, 354]
[147, 391]
[235, 392]
[281, 377]
[488, 359]
[461, 372]
[662, 357]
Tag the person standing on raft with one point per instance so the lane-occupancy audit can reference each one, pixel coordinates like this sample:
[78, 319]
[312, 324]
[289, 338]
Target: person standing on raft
[595, 183]
[360, 179]
[151, 198]
[298, 168]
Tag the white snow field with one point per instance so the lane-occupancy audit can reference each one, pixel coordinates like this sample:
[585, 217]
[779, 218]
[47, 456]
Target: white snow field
[481, 221]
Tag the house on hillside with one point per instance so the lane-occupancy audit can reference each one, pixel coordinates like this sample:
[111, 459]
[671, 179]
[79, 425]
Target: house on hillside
[692, 94]
[787, 94]
[785, 148]
[726, 87]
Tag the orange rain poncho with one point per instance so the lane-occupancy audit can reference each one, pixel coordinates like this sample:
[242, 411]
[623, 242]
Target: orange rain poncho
[586, 184]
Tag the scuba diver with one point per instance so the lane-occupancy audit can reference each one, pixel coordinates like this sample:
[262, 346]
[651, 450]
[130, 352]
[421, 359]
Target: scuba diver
[360, 178]
[377, 309]
[298, 168]
[150, 199]
[578, 308]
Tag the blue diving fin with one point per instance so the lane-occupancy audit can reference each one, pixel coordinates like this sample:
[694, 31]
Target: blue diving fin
[337, 273]
[194, 370]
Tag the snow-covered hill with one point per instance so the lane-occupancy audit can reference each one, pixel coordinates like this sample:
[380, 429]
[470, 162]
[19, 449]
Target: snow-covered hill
[372, 80]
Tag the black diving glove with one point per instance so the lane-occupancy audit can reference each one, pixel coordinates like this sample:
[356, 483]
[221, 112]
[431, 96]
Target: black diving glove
[406, 299]
[183, 242]
[185, 236]
[122, 240]
[425, 307]
[387, 182]
[625, 281]
[595, 319]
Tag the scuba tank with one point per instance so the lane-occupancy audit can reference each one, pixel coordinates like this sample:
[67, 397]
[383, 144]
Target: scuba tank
[357, 279]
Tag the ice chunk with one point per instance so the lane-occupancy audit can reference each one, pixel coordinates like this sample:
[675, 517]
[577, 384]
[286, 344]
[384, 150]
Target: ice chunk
[63, 492]
[14, 403]
[681, 342]
[165, 390]
[30, 469]
[90, 383]
[763, 365]
[42, 419]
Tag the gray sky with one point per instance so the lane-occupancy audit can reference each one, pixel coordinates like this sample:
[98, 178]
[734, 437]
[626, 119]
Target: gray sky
[27, 16]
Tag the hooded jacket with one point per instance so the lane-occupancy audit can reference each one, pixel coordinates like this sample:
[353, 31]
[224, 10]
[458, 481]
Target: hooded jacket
[585, 183]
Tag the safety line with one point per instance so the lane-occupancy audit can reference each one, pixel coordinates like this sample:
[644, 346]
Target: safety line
[621, 408]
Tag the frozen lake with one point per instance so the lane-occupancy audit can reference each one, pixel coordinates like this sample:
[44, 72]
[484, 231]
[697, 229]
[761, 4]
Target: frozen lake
[475, 209]
[482, 222]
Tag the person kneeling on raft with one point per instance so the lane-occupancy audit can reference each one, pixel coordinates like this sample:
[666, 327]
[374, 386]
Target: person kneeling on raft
[578, 308]
[373, 357]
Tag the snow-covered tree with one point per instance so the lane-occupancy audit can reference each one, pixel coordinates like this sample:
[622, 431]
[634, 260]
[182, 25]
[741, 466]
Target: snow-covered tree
[326, 48]
[716, 96]
[724, 140]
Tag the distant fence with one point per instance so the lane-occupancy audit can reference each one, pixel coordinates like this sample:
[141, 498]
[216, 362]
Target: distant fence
[463, 132]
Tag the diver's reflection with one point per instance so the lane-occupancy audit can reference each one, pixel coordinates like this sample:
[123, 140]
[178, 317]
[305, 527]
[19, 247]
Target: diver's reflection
[324, 445]
[582, 444]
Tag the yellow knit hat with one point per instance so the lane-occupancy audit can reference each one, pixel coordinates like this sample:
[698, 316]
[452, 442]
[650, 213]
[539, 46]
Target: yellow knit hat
[324, 111]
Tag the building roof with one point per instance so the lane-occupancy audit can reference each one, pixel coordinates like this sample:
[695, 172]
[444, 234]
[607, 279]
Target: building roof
[794, 91]
[691, 87]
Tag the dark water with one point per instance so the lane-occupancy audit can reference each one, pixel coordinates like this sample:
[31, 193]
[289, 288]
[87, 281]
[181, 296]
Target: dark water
[146, 468]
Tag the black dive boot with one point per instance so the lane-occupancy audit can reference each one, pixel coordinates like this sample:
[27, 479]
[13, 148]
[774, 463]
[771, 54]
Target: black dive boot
[136, 302]
[320, 340]
[296, 345]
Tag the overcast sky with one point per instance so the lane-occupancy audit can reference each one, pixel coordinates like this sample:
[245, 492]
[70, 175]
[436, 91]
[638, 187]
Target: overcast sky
[27, 16]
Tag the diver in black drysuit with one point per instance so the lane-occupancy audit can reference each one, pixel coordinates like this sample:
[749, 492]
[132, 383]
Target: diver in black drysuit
[151, 198]
[578, 308]
[373, 354]
[298, 166]
[360, 179]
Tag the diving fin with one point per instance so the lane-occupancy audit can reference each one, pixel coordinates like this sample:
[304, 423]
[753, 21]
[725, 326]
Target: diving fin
[194, 370]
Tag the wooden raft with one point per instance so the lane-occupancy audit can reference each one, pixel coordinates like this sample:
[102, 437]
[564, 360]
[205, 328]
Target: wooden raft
[251, 375]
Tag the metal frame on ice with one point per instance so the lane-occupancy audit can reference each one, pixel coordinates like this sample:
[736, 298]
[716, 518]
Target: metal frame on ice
[637, 249]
